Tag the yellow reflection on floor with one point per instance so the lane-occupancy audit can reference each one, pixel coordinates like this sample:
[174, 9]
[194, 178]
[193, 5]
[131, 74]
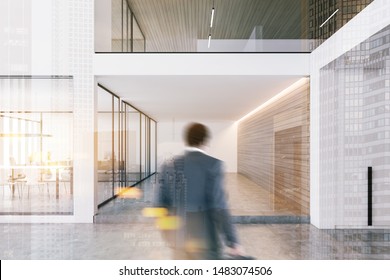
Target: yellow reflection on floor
[195, 246]
[168, 223]
[134, 193]
[155, 212]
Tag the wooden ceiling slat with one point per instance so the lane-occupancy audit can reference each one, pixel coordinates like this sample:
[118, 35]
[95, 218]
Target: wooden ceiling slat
[176, 25]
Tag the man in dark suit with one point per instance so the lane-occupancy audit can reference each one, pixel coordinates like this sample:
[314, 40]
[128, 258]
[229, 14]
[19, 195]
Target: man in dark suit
[191, 188]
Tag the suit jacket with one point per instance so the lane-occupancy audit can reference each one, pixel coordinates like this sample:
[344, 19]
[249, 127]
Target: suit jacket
[191, 187]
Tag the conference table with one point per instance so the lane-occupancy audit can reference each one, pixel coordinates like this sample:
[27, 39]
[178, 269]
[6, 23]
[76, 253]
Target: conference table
[21, 174]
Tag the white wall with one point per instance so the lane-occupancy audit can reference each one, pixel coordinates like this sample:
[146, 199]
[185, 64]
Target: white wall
[31, 42]
[268, 64]
[324, 202]
[103, 25]
[223, 143]
[16, 26]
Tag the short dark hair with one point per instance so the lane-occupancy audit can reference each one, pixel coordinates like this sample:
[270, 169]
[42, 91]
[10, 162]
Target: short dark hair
[196, 134]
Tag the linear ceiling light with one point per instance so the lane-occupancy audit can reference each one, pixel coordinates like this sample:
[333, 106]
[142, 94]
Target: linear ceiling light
[284, 92]
[211, 24]
[212, 17]
[329, 18]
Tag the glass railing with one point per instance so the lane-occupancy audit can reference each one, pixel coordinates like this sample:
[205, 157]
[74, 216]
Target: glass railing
[258, 45]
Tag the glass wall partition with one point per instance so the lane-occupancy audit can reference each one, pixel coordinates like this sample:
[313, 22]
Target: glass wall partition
[143, 147]
[105, 145]
[153, 146]
[36, 145]
[138, 38]
[116, 153]
[355, 132]
[122, 33]
[128, 29]
[124, 26]
[126, 145]
[133, 145]
[109, 158]
[116, 26]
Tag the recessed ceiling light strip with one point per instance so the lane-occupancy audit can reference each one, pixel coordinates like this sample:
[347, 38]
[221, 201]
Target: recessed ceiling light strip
[284, 92]
[212, 17]
[329, 18]
[211, 23]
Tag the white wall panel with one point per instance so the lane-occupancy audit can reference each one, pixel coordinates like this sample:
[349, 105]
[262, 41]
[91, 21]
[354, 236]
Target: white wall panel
[223, 143]
[202, 64]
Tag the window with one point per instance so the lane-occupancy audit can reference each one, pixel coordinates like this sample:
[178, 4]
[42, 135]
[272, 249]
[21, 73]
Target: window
[36, 146]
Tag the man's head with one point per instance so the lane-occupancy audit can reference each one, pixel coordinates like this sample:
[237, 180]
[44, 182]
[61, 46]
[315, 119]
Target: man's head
[196, 135]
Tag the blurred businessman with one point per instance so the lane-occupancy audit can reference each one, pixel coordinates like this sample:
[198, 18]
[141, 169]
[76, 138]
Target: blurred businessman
[191, 188]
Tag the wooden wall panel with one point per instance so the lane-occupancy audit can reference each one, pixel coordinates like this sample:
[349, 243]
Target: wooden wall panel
[273, 148]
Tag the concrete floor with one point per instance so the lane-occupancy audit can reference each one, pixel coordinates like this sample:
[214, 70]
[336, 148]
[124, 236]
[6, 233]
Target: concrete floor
[142, 241]
[121, 232]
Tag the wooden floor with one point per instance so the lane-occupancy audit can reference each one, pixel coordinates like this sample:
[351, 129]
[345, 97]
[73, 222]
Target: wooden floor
[247, 198]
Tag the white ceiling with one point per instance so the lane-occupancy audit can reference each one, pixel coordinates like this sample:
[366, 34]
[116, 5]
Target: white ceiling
[196, 97]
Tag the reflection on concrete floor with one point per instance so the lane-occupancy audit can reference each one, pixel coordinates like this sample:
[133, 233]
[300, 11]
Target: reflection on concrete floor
[141, 241]
[249, 203]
